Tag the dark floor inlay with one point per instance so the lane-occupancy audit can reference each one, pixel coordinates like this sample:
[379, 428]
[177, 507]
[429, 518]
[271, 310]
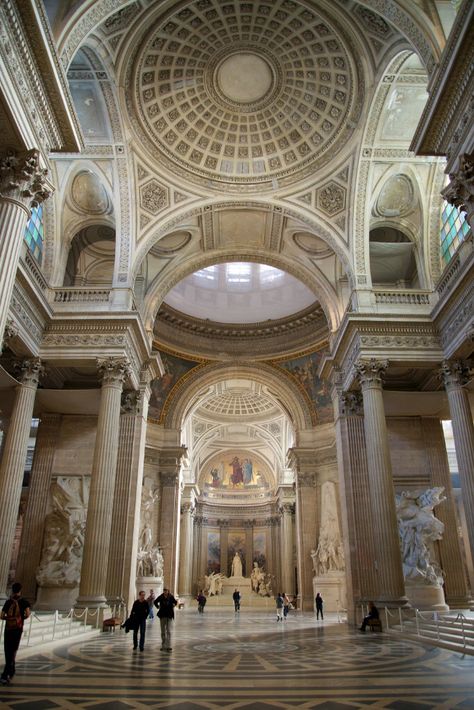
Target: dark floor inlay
[34, 705]
[406, 705]
[113, 705]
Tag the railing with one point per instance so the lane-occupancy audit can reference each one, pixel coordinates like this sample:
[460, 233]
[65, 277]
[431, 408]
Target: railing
[89, 617]
[81, 295]
[411, 298]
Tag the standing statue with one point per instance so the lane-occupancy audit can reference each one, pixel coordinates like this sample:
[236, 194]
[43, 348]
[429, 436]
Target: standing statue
[257, 576]
[329, 554]
[149, 557]
[236, 566]
[419, 529]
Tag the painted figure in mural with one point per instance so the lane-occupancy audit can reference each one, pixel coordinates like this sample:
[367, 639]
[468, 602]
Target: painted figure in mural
[216, 481]
[247, 467]
[419, 529]
[236, 566]
[237, 475]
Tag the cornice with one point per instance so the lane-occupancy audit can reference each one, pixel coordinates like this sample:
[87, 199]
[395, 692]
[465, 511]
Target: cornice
[30, 38]
[444, 119]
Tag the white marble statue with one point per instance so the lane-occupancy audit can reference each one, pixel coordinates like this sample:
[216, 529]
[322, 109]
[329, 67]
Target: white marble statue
[63, 545]
[149, 557]
[257, 577]
[236, 566]
[213, 583]
[419, 529]
[329, 554]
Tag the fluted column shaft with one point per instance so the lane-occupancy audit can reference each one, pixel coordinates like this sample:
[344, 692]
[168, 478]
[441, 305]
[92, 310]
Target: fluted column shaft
[170, 509]
[455, 581]
[455, 376]
[99, 512]
[29, 556]
[186, 549]
[125, 524]
[387, 562]
[22, 185]
[287, 565]
[13, 463]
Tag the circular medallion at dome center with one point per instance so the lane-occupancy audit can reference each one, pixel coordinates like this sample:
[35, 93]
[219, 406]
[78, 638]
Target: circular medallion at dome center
[244, 78]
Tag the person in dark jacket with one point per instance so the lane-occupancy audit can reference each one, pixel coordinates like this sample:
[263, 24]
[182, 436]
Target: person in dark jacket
[201, 600]
[319, 606]
[236, 597]
[373, 614]
[139, 615]
[165, 604]
[15, 611]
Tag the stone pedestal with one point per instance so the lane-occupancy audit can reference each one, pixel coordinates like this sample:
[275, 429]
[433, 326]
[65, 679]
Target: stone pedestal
[332, 587]
[424, 597]
[52, 598]
[230, 584]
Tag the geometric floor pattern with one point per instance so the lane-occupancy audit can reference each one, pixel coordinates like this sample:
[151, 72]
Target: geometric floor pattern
[222, 660]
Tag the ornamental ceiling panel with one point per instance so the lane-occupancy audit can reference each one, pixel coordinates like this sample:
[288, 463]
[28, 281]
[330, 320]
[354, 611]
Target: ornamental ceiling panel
[244, 93]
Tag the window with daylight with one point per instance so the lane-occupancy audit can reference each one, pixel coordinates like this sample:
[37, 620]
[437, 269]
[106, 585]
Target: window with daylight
[34, 233]
[454, 229]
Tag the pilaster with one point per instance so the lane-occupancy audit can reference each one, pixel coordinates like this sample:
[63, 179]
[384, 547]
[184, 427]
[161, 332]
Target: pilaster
[33, 526]
[170, 465]
[13, 462]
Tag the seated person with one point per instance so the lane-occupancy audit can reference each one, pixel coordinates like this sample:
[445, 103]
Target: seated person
[373, 614]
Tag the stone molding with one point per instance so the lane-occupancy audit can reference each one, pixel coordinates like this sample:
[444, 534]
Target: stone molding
[22, 180]
[454, 373]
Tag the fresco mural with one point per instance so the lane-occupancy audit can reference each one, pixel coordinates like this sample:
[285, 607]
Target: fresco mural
[236, 542]
[175, 368]
[236, 471]
[304, 369]
[260, 548]
[213, 552]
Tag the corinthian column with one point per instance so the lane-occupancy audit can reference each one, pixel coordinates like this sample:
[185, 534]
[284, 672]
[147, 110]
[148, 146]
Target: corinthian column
[460, 191]
[387, 561]
[170, 466]
[455, 376]
[99, 513]
[287, 565]
[186, 548]
[127, 496]
[22, 185]
[13, 462]
[33, 526]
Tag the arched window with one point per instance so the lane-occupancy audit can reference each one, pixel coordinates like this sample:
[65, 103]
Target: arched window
[34, 233]
[454, 229]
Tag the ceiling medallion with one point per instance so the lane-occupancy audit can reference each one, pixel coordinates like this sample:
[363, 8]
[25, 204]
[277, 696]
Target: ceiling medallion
[243, 93]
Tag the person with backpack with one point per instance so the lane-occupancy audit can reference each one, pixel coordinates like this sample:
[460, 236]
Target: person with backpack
[14, 612]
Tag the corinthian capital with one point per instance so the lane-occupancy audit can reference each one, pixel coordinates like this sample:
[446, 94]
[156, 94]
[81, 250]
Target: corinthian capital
[22, 179]
[352, 403]
[454, 373]
[29, 371]
[370, 372]
[460, 190]
[113, 370]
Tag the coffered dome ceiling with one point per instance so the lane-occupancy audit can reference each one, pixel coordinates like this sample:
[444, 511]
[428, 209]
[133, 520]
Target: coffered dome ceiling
[244, 93]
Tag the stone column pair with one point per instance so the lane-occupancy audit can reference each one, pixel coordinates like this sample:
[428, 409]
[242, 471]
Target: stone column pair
[287, 566]
[170, 466]
[23, 184]
[186, 547]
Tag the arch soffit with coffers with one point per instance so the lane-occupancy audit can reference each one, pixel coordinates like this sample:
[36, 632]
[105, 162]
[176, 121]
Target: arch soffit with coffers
[290, 400]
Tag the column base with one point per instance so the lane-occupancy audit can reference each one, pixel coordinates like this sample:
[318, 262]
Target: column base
[426, 598]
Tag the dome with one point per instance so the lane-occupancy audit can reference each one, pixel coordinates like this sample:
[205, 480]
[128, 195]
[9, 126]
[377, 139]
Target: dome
[240, 403]
[198, 111]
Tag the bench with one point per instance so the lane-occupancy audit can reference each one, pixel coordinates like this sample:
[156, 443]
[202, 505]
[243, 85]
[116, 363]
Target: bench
[110, 624]
[375, 624]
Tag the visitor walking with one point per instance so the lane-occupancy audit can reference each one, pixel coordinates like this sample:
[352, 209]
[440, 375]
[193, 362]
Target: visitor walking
[150, 599]
[201, 600]
[236, 597]
[319, 606]
[165, 604]
[286, 605]
[138, 616]
[279, 606]
[15, 611]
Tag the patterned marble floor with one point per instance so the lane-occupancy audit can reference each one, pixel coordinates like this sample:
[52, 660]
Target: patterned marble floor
[244, 662]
